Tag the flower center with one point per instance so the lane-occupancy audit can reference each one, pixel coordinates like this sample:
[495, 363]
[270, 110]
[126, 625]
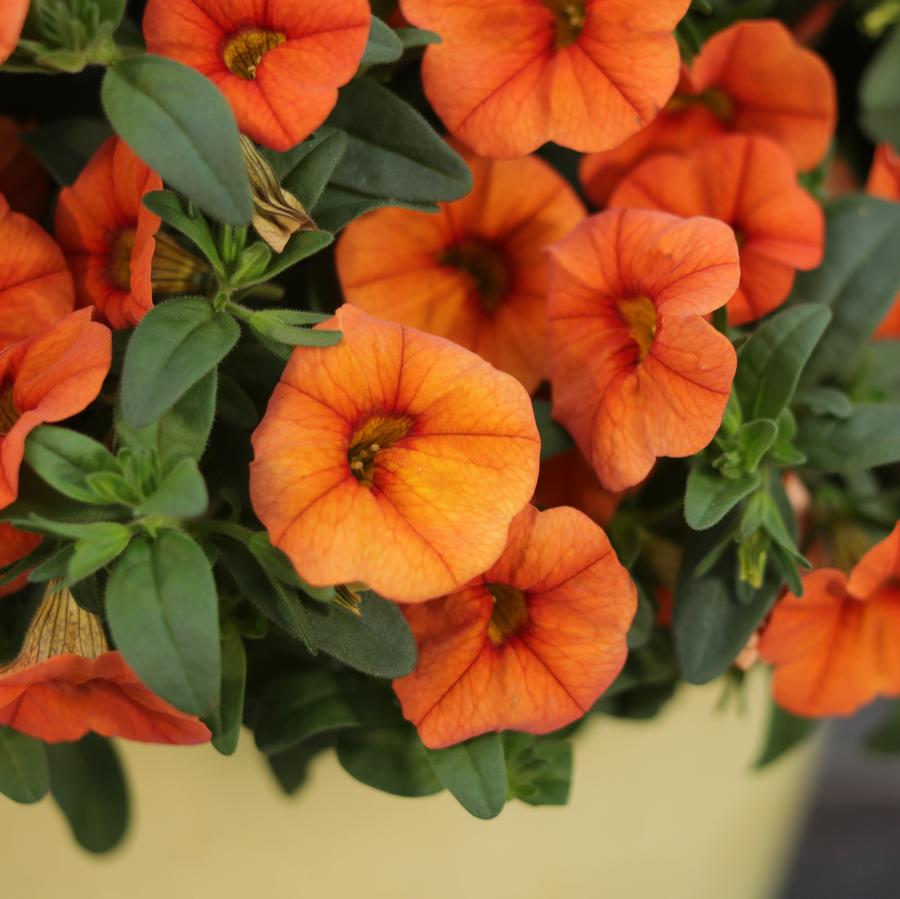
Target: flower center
[118, 267]
[639, 314]
[371, 438]
[510, 612]
[721, 104]
[60, 627]
[570, 18]
[245, 50]
[9, 415]
[486, 267]
[175, 269]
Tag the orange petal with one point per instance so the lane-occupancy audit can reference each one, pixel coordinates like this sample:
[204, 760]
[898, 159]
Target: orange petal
[749, 183]
[832, 653]
[11, 22]
[23, 180]
[884, 182]
[293, 85]
[35, 286]
[879, 565]
[67, 696]
[777, 87]
[15, 545]
[626, 400]
[568, 480]
[398, 264]
[444, 487]
[549, 670]
[55, 375]
[505, 80]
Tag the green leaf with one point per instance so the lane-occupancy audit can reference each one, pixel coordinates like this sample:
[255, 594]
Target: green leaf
[183, 431]
[555, 439]
[88, 784]
[858, 279]
[299, 706]
[885, 738]
[393, 158]
[378, 642]
[391, 759]
[181, 493]
[306, 170]
[784, 732]
[714, 614]
[91, 555]
[176, 344]
[383, 47]
[65, 146]
[271, 323]
[65, 459]
[867, 438]
[182, 127]
[644, 619]
[755, 439]
[291, 767]
[824, 401]
[225, 721]
[411, 38]
[175, 212]
[710, 496]
[24, 773]
[539, 768]
[299, 247]
[475, 773]
[879, 92]
[163, 614]
[236, 406]
[771, 361]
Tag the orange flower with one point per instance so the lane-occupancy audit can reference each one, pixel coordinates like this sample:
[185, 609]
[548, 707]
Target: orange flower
[279, 63]
[568, 480]
[751, 78]
[11, 22]
[837, 647]
[49, 377]
[65, 682]
[15, 545]
[530, 644]
[584, 73]
[395, 458]
[476, 272]
[884, 182]
[108, 234]
[749, 183]
[35, 285]
[23, 180]
[637, 371]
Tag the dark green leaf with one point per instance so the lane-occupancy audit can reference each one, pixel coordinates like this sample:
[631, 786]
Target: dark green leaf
[384, 46]
[236, 407]
[291, 767]
[867, 438]
[65, 458]
[378, 642]
[66, 145]
[174, 212]
[183, 431]
[755, 439]
[885, 737]
[24, 774]
[771, 361]
[644, 619]
[412, 38]
[784, 732]
[858, 279]
[88, 784]
[711, 496]
[555, 439]
[824, 401]
[306, 170]
[163, 613]
[393, 158]
[391, 759]
[182, 127]
[299, 247]
[714, 615]
[181, 494]
[296, 707]
[176, 344]
[540, 768]
[879, 92]
[475, 773]
[225, 721]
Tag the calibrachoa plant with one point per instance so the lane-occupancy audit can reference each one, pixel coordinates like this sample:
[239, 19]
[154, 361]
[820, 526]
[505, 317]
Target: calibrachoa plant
[415, 382]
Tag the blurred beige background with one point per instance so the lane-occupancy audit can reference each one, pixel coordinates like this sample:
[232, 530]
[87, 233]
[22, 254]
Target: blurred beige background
[661, 810]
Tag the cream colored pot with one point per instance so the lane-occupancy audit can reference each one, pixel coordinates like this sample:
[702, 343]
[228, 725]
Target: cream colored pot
[668, 809]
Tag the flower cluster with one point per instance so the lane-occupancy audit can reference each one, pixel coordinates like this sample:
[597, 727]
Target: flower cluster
[594, 394]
